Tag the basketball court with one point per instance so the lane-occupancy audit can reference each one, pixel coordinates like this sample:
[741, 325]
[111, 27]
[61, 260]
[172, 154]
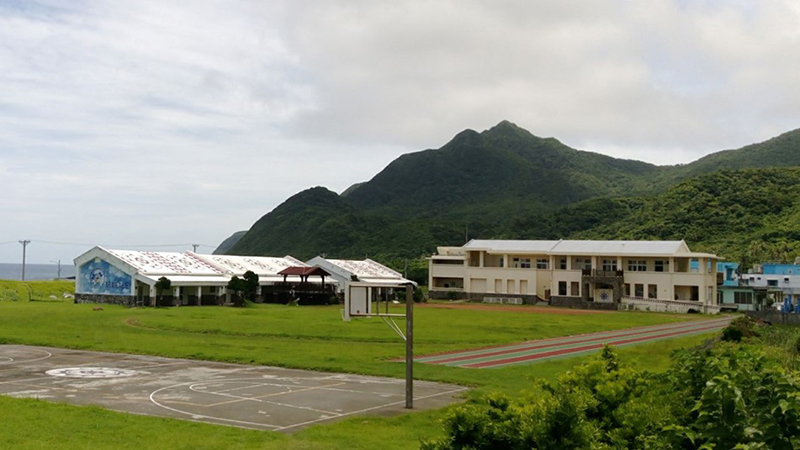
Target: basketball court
[256, 397]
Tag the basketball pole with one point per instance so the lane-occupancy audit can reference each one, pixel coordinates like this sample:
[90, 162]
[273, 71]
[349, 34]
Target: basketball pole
[409, 346]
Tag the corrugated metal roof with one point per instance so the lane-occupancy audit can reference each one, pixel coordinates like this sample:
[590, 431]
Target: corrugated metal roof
[510, 245]
[578, 247]
[621, 247]
[165, 263]
[260, 265]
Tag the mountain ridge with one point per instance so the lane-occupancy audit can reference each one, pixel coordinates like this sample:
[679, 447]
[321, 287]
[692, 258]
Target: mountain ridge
[501, 182]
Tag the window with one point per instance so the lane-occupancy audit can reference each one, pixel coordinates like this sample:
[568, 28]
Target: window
[582, 264]
[610, 265]
[212, 289]
[542, 263]
[635, 265]
[562, 288]
[453, 262]
[521, 263]
[575, 288]
[638, 290]
[652, 291]
[628, 289]
[744, 298]
[772, 282]
[562, 263]
[661, 266]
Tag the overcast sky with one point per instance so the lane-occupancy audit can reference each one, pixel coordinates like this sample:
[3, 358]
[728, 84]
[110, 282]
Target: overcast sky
[156, 122]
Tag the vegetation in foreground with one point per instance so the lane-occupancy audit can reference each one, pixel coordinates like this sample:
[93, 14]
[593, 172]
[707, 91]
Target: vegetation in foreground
[724, 396]
[309, 337]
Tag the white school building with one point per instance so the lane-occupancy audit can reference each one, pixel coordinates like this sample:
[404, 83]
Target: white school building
[128, 276]
[647, 275]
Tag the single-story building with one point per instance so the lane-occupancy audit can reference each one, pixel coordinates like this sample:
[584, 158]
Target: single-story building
[129, 276]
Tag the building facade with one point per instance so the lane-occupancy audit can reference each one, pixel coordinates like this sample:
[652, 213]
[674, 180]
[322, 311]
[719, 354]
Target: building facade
[128, 276]
[650, 273]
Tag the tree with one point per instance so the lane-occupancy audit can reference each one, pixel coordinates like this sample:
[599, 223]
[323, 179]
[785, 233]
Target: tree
[238, 286]
[250, 285]
[163, 284]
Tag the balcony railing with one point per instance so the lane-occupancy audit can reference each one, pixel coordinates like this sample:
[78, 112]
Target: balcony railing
[602, 273]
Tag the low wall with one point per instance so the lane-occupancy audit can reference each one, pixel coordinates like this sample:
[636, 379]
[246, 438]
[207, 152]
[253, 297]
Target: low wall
[775, 317]
[126, 300]
[579, 303]
[483, 297]
[659, 305]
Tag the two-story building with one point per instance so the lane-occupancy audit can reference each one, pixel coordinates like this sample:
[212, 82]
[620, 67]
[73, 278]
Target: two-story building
[656, 275]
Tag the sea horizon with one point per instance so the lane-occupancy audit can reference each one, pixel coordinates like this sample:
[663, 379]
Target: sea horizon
[34, 272]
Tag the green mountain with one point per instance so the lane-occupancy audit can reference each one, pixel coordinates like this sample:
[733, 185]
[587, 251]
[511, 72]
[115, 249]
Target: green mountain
[228, 243]
[747, 215]
[507, 183]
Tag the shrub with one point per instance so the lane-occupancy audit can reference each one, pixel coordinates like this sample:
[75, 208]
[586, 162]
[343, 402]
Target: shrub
[452, 295]
[732, 334]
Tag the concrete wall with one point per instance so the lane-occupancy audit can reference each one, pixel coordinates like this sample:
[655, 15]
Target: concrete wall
[480, 297]
[775, 317]
[127, 300]
[578, 303]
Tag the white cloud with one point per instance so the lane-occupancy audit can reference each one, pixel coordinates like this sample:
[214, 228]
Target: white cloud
[162, 122]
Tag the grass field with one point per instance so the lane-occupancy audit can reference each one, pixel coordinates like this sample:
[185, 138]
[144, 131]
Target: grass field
[11, 290]
[301, 337]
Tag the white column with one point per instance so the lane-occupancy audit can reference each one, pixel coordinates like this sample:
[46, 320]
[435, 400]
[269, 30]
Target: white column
[199, 295]
[152, 291]
[176, 296]
[480, 259]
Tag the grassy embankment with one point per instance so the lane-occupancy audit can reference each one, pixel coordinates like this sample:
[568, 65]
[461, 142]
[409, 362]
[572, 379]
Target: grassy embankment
[310, 338]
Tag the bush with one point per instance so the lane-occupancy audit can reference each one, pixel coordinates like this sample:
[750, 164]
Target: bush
[732, 334]
[726, 398]
[452, 295]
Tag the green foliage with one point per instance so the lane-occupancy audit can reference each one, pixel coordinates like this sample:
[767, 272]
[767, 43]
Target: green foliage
[511, 184]
[162, 284]
[732, 334]
[727, 398]
[244, 289]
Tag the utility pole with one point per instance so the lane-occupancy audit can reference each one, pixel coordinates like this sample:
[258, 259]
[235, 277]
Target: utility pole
[59, 268]
[194, 247]
[466, 233]
[409, 346]
[405, 272]
[24, 243]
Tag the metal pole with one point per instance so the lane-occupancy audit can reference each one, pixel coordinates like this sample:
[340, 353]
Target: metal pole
[59, 268]
[410, 346]
[24, 243]
[194, 247]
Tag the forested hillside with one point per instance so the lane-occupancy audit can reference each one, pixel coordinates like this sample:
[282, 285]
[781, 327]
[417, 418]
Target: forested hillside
[507, 183]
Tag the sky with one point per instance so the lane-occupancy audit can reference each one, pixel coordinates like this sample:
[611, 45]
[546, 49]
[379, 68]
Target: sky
[156, 124]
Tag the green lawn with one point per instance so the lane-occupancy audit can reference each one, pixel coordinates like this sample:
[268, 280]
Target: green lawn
[11, 290]
[302, 337]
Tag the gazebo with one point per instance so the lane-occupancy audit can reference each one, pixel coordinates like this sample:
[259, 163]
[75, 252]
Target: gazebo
[306, 292]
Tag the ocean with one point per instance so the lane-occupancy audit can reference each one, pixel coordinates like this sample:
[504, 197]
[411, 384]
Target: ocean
[35, 271]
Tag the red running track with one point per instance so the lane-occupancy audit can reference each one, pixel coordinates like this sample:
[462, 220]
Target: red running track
[533, 351]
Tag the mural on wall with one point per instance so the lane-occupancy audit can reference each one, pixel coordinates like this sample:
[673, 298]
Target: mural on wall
[100, 277]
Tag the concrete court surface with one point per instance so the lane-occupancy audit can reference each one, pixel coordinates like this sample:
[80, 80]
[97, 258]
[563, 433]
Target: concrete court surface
[257, 397]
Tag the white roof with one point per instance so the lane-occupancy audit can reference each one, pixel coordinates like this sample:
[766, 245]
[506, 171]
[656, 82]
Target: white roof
[260, 265]
[366, 270]
[575, 247]
[492, 245]
[165, 263]
[621, 247]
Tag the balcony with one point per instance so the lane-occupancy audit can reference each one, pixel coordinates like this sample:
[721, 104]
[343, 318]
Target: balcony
[602, 276]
